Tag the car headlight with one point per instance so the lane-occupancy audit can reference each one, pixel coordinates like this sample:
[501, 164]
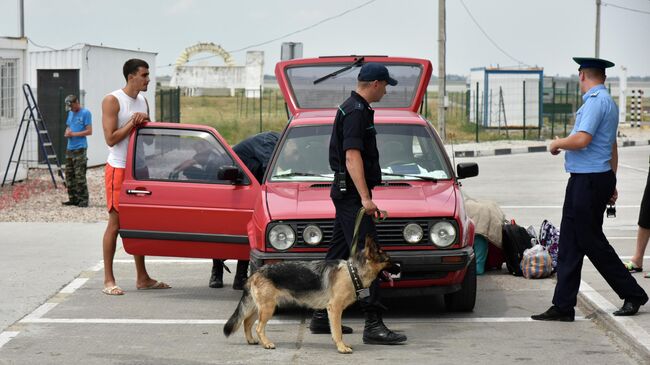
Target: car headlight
[443, 234]
[282, 237]
[413, 233]
[312, 235]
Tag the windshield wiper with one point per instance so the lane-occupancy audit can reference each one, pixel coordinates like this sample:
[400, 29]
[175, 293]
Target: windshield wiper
[356, 62]
[298, 173]
[428, 178]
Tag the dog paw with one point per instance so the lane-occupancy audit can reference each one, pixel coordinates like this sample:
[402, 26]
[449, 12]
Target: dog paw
[252, 342]
[344, 349]
[269, 346]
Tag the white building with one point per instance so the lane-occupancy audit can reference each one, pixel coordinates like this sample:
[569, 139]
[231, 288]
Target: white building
[90, 72]
[13, 73]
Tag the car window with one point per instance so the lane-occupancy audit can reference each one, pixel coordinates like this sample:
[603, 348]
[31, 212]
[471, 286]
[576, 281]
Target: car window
[179, 155]
[406, 149]
[303, 155]
[330, 92]
[409, 149]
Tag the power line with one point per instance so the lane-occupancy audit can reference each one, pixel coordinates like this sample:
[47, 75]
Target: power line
[288, 34]
[50, 48]
[489, 38]
[628, 9]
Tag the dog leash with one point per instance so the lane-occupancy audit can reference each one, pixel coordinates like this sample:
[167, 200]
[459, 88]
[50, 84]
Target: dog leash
[354, 275]
[380, 216]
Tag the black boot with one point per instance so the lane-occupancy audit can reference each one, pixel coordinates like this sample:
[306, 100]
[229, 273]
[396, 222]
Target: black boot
[216, 279]
[240, 275]
[320, 323]
[375, 331]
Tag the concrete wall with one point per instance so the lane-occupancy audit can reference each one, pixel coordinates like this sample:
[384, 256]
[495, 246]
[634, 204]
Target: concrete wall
[100, 73]
[248, 77]
[13, 48]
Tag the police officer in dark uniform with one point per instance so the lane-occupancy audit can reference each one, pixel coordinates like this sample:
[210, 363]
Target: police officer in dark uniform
[591, 158]
[354, 158]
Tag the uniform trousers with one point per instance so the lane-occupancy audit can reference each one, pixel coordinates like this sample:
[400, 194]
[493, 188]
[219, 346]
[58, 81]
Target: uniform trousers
[581, 233]
[346, 213]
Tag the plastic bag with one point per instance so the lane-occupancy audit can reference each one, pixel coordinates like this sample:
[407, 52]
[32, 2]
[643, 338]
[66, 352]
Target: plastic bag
[536, 263]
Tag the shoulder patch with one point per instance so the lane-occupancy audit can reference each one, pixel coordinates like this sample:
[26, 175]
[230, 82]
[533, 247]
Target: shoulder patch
[359, 106]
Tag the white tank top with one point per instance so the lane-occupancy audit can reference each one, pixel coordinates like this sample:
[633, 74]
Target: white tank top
[128, 106]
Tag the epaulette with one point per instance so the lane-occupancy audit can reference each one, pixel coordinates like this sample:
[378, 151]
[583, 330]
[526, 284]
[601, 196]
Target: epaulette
[594, 94]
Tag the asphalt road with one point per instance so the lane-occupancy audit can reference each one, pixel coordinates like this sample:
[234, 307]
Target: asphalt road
[44, 324]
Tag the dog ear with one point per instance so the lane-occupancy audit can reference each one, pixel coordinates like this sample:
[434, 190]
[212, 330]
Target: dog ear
[370, 246]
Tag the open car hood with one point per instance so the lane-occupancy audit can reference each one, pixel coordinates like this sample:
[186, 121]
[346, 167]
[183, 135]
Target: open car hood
[296, 80]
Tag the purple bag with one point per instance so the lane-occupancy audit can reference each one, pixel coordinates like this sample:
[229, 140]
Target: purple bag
[549, 237]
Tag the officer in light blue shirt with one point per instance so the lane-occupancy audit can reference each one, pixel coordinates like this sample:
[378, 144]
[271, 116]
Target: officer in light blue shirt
[591, 158]
[79, 125]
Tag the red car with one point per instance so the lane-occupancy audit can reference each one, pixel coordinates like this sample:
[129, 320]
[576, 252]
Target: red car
[187, 194]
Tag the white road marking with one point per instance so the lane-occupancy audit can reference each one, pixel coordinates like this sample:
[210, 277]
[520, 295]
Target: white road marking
[97, 267]
[7, 336]
[627, 323]
[74, 285]
[556, 206]
[40, 311]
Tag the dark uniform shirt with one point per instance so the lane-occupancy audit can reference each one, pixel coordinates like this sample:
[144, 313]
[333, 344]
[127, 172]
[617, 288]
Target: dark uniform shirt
[354, 128]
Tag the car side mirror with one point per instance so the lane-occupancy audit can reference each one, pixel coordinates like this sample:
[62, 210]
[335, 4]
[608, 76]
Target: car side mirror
[466, 169]
[230, 173]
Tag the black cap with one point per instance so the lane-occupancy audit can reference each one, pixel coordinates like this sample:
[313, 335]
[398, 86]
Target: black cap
[590, 62]
[372, 71]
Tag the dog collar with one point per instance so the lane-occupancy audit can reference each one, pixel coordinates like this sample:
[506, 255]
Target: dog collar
[356, 281]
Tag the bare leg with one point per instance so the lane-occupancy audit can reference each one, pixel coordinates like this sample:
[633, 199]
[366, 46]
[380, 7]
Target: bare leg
[108, 247]
[642, 236]
[334, 312]
[142, 279]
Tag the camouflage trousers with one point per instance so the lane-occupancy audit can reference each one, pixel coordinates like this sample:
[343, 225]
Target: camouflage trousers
[75, 176]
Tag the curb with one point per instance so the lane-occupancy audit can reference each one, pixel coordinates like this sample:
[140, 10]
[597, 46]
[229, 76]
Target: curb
[624, 327]
[480, 152]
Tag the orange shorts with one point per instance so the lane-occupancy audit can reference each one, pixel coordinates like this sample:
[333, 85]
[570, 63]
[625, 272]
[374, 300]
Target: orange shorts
[113, 178]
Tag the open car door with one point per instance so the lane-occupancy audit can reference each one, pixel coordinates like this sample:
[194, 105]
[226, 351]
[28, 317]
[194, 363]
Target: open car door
[323, 83]
[185, 194]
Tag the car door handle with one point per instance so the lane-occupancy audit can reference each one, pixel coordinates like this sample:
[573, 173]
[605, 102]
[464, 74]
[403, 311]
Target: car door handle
[138, 191]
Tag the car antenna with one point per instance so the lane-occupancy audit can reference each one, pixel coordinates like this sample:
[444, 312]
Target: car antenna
[356, 62]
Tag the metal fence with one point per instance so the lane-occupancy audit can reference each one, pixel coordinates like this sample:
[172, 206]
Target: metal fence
[168, 105]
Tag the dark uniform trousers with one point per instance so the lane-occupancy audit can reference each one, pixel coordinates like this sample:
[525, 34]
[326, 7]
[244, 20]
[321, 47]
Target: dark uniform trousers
[75, 175]
[346, 213]
[581, 234]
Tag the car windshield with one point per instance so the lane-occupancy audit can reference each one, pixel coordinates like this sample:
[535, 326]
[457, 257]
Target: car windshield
[406, 152]
[330, 92]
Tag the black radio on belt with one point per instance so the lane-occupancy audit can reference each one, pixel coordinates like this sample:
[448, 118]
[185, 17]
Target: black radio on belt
[611, 211]
[339, 180]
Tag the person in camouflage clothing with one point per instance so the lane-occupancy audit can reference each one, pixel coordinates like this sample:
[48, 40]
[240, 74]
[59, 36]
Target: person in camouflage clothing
[79, 125]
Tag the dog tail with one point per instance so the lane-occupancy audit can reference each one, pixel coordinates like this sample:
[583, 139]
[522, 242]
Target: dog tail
[244, 306]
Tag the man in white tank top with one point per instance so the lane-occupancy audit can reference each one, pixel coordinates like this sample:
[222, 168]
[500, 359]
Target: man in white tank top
[123, 110]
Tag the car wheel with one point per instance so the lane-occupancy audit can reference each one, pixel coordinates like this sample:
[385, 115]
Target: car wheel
[464, 299]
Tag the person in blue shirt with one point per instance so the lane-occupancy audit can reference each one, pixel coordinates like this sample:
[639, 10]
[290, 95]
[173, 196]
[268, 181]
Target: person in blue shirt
[591, 158]
[79, 125]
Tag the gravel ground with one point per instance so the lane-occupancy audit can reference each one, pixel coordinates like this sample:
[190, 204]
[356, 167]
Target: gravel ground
[36, 200]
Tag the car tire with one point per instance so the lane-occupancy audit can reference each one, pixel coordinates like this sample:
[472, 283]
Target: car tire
[464, 299]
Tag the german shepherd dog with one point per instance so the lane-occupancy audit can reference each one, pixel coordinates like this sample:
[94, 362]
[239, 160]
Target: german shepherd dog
[314, 284]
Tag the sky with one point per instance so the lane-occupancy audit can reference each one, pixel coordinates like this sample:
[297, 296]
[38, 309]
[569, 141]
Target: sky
[538, 33]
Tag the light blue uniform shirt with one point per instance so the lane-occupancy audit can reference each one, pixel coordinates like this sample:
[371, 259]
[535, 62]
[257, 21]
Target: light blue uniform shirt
[598, 116]
[77, 122]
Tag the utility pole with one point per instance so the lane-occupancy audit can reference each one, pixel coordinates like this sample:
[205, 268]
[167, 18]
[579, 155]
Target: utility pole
[598, 2]
[21, 15]
[442, 73]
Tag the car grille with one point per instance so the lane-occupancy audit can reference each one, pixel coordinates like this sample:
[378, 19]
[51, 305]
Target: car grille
[389, 231]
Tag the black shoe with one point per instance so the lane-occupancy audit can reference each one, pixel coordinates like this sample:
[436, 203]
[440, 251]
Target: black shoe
[320, 323]
[375, 332]
[631, 306]
[555, 314]
[241, 275]
[216, 278]
[69, 202]
[239, 282]
[83, 205]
